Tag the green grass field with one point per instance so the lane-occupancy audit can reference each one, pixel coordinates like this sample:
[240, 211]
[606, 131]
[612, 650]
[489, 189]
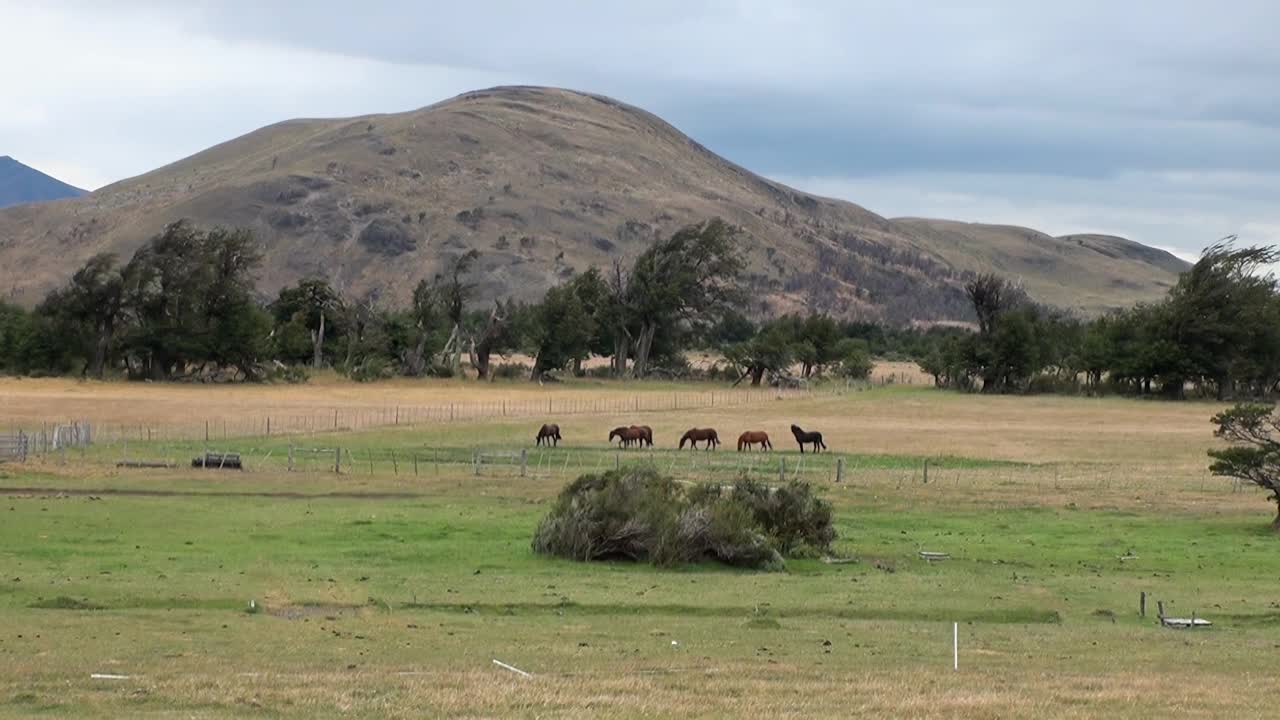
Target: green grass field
[389, 594]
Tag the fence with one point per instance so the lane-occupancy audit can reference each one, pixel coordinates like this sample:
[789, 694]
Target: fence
[14, 447]
[355, 418]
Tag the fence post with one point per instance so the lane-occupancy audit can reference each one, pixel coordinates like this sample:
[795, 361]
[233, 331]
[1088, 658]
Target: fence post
[415, 464]
[395, 466]
[524, 462]
[926, 472]
[335, 418]
[1142, 604]
[337, 459]
[475, 461]
[782, 469]
[839, 469]
[290, 457]
[617, 461]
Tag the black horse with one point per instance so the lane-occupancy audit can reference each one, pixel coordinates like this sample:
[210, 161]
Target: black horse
[808, 438]
[550, 434]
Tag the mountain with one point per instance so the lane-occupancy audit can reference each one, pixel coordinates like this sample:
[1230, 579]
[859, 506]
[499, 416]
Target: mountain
[21, 184]
[545, 183]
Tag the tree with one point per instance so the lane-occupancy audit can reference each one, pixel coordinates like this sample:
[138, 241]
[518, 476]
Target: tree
[454, 295]
[189, 294]
[498, 333]
[770, 351]
[314, 306]
[91, 307]
[1254, 454]
[560, 331]
[690, 278]
[854, 357]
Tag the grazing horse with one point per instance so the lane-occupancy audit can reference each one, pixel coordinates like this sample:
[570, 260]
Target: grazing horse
[697, 435]
[627, 435]
[646, 434]
[749, 438]
[808, 438]
[550, 434]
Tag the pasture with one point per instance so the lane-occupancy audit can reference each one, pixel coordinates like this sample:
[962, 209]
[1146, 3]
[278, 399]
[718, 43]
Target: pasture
[384, 592]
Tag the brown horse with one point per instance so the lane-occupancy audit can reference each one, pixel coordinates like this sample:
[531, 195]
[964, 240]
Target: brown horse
[749, 438]
[627, 435]
[550, 434]
[808, 438]
[697, 435]
[646, 434]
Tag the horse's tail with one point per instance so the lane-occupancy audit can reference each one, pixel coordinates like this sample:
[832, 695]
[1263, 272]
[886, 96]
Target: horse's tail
[824, 445]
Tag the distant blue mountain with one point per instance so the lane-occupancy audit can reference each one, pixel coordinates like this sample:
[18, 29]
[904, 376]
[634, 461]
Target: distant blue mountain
[21, 184]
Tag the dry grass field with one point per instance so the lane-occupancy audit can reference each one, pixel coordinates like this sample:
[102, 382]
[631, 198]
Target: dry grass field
[385, 592]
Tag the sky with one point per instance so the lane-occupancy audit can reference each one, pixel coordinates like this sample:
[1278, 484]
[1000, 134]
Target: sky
[1158, 121]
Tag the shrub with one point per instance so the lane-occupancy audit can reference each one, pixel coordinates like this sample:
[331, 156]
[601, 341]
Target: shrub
[371, 370]
[639, 515]
[440, 371]
[511, 371]
[292, 374]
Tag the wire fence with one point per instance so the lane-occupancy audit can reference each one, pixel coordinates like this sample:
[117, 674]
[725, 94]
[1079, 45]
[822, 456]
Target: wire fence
[348, 418]
[272, 459]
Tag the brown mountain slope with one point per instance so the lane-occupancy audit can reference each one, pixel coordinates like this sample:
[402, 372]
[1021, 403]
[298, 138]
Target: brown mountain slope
[1089, 272]
[544, 183]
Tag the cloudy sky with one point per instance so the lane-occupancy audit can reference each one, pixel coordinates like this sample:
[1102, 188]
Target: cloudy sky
[1155, 120]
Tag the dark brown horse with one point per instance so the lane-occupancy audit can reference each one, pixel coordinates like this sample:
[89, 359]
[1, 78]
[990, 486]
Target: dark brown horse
[749, 438]
[646, 434]
[808, 438]
[627, 435]
[550, 434]
[697, 435]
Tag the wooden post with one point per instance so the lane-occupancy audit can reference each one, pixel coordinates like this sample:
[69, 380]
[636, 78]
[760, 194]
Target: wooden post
[290, 457]
[782, 469]
[415, 464]
[617, 461]
[475, 461]
[268, 426]
[839, 469]
[335, 418]
[524, 462]
[395, 466]
[1142, 604]
[370, 452]
[397, 415]
[337, 460]
[1160, 609]
[926, 472]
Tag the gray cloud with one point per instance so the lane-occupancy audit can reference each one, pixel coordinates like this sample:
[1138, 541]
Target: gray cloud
[1085, 109]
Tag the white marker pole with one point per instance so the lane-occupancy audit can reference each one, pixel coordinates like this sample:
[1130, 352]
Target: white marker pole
[955, 646]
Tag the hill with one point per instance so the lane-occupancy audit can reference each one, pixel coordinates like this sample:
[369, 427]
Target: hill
[544, 183]
[1089, 272]
[22, 184]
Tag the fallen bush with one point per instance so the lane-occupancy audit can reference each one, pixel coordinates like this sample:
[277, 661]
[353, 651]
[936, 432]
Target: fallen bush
[639, 515]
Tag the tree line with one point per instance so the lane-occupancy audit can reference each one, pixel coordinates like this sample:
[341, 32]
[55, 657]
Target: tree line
[185, 305]
[1215, 334]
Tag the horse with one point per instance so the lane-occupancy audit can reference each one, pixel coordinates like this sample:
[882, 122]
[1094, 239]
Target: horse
[749, 438]
[646, 434]
[550, 434]
[696, 435]
[808, 438]
[627, 435]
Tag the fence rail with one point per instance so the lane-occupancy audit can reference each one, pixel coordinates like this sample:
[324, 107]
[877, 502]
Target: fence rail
[355, 418]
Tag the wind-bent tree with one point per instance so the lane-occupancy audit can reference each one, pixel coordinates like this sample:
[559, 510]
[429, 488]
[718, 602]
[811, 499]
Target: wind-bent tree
[189, 294]
[559, 331]
[498, 333]
[454, 294]
[690, 278]
[91, 307]
[1254, 454]
[770, 351]
[311, 305]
